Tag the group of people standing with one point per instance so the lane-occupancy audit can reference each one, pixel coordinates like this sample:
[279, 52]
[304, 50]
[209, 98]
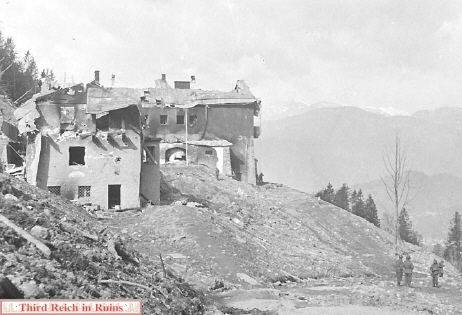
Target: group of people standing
[406, 267]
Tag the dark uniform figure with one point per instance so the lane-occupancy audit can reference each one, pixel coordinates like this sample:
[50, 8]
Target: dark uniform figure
[435, 272]
[399, 269]
[407, 268]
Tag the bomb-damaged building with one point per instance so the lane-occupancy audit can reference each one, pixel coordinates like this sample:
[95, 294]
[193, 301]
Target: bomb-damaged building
[213, 128]
[104, 146]
[86, 143]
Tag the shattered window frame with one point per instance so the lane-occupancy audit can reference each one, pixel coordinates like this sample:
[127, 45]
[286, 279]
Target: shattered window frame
[84, 192]
[163, 119]
[192, 120]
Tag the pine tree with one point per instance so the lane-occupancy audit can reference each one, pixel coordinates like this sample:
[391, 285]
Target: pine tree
[353, 197]
[405, 230]
[18, 77]
[327, 194]
[341, 198]
[359, 206]
[452, 251]
[371, 212]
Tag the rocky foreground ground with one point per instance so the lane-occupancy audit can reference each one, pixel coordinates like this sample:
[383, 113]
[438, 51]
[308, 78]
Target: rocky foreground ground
[277, 249]
[216, 247]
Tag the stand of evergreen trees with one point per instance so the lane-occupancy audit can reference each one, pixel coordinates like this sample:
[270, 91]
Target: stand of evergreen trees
[353, 202]
[356, 203]
[19, 77]
[452, 249]
[406, 232]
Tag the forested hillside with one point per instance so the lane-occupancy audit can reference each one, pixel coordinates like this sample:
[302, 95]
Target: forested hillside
[19, 75]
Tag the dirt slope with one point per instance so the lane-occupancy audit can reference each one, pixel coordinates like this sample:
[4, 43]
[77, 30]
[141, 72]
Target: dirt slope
[250, 250]
[225, 234]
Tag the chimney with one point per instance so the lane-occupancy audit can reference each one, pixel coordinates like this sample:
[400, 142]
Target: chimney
[112, 80]
[164, 77]
[193, 81]
[97, 77]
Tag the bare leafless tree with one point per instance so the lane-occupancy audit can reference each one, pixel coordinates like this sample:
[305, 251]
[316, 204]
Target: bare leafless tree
[397, 180]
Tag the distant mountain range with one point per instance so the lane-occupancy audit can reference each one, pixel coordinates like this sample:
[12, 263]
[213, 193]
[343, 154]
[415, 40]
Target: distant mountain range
[277, 111]
[433, 201]
[338, 144]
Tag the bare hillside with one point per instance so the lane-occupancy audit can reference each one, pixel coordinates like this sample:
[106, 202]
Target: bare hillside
[218, 247]
[223, 234]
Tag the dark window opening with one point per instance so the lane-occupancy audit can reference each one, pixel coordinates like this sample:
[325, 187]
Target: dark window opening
[192, 120]
[84, 191]
[180, 119]
[15, 153]
[103, 123]
[55, 190]
[114, 196]
[208, 152]
[163, 119]
[76, 155]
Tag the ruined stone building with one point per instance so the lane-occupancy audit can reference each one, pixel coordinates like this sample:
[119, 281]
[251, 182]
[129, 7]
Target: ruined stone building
[212, 128]
[86, 143]
[104, 146]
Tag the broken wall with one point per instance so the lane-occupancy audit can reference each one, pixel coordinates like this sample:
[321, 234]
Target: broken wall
[170, 130]
[79, 163]
[150, 173]
[236, 125]
[104, 165]
[204, 155]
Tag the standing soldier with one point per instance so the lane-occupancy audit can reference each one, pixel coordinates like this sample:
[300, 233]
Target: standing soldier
[435, 272]
[407, 268]
[399, 269]
[441, 266]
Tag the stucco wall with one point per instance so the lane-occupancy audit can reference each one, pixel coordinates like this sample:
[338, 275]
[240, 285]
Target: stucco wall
[234, 123]
[205, 159]
[154, 127]
[103, 167]
[111, 158]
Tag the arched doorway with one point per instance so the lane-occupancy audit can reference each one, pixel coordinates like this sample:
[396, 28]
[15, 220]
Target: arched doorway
[175, 155]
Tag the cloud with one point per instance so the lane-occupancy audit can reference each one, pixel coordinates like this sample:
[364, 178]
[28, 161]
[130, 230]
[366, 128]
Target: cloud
[367, 53]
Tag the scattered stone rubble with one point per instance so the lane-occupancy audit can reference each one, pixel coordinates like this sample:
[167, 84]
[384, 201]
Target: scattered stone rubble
[85, 259]
[230, 240]
[244, 237]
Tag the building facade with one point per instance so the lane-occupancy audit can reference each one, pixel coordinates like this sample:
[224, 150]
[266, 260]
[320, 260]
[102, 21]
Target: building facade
[86, 143]
[213, 128]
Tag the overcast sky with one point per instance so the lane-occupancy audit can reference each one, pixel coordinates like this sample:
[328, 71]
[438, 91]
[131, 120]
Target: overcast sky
[402, 54]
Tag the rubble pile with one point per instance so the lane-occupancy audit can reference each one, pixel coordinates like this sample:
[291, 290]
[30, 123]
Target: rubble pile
[266, 219]
[51, 248]
[226, 236]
